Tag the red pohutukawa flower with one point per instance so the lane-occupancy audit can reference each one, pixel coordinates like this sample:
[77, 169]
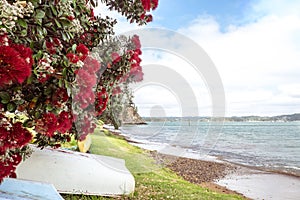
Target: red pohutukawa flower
[13, 136]
[72, 57]
[85, 97]
[47, 125]
[146, 4]
[71, 18]
[25, 53]
[149, 4]
[136, 41]
[115, 57]
[117, 90]
[85, 78]
[64, 122]
[50, 47]
[15, 64]
[57, 41]
[149, 18]
[91, 65]
[135, 74]
[82, 51]
[87, 126]
[101, 101]
[60, 97]
[3, 40]
[50, 123]
[92, 14]
[8, 165]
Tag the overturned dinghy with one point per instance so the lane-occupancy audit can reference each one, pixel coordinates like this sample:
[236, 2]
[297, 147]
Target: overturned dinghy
[27, 190]
[78, 173]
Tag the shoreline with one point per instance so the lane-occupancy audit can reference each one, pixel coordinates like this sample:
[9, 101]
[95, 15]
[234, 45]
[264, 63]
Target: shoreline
[263, 169]
[189, 169]
[218, 158]
[165, 160]
[235, 178]
[229, 178]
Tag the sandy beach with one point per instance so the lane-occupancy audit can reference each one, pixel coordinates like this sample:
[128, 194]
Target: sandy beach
[233, 179]
[257, 184]
[201, 172]
[228, 178]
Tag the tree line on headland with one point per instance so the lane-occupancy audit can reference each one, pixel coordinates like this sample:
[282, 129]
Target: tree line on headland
[252, 118]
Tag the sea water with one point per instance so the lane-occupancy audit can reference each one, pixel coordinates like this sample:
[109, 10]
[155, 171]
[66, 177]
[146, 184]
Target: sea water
[269, 145]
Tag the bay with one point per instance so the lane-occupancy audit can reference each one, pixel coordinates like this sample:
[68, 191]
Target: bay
[271, 146]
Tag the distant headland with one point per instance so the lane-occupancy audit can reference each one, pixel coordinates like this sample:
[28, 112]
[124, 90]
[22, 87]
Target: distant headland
[252, 118]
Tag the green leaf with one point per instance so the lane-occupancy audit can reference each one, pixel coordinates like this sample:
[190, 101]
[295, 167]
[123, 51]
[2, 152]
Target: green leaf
[67, 85]
[74, 47]
[39, 54]
[53, 10]
[5, 97]
[65, 63]
[49, 14]
[70, 35]
[57, 23]
[35, 99]
[39, 14]
[39, 30]
[45, 31]
[65, 22]
[60, 82]
[35, 71]
[22, 23]
[49, 108]
[19, 102]
[31, 44]
[48, 91]
[11, 107]
[29, 80]
[28, 123]
[24, 32]
[64, 36]
[64, 72]
[37, 114]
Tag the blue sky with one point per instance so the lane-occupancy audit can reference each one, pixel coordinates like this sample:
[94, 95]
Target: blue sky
[173, 14]
[254, 45]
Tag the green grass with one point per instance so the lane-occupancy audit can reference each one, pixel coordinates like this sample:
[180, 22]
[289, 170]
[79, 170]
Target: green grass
[152, 180]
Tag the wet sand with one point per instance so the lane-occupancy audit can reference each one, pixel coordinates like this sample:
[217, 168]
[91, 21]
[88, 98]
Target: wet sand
[263, 185]
[233, 179]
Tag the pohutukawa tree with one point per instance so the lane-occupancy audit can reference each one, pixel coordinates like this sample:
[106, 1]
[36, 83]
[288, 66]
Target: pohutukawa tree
[59, 68]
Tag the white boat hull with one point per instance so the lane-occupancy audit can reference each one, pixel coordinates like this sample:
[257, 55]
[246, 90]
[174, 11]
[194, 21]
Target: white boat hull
[78, 173]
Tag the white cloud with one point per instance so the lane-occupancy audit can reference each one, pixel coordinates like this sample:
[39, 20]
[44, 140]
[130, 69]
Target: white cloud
[193, 96]
[258, 62]
[291, 90]
[156, 98]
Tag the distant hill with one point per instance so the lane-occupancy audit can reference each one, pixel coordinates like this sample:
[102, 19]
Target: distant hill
[284, 118]
[293, 117]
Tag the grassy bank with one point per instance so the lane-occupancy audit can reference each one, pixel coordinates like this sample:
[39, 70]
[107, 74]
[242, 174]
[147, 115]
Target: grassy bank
[152, 180]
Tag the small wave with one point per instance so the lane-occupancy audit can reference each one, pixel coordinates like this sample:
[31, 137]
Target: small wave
[292, 167]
